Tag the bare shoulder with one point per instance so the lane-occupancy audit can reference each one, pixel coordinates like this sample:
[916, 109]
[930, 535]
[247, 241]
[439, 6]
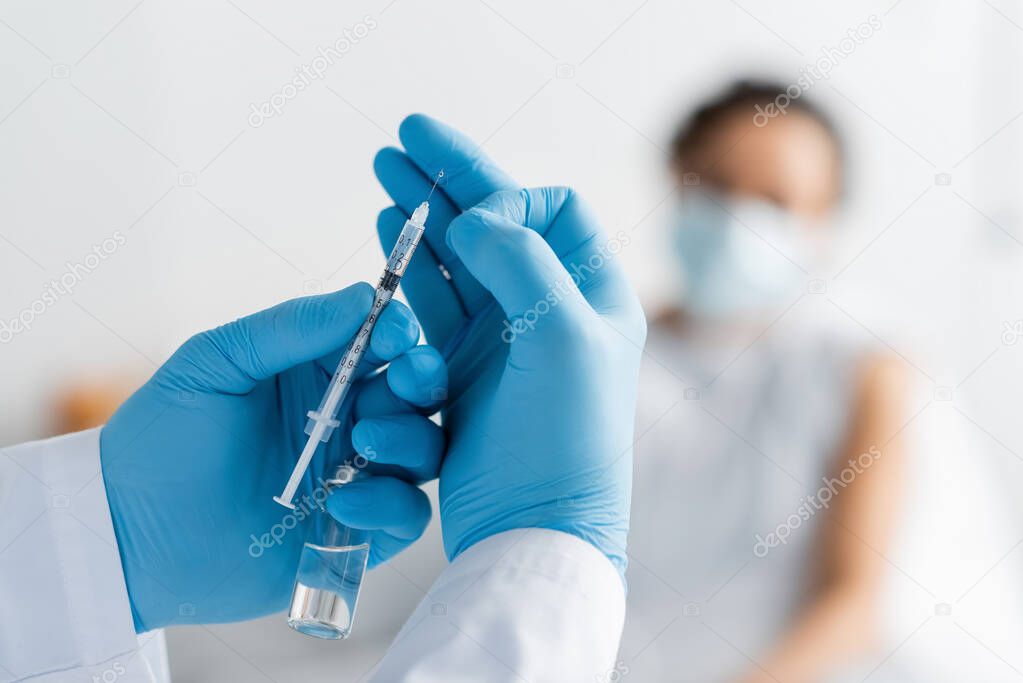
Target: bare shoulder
[884, 378]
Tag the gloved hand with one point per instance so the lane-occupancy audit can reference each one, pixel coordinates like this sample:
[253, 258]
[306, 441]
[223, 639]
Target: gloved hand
[192, 460]
[543, 367]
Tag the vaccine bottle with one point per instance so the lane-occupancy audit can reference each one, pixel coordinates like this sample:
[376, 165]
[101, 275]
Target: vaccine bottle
[330, 570]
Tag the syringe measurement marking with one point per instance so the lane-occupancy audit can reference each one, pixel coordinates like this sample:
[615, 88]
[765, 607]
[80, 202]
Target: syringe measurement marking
[322, 421]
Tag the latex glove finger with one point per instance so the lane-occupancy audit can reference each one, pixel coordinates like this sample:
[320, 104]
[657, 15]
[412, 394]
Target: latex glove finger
[469, 174]
[407, 185]
[574, 234]
[405, 446]
[526, 278]
[232, 358]
[416, 381]
[396, 331]
[399, 511]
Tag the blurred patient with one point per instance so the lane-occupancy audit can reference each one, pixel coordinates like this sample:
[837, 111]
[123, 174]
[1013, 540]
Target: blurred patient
[767, 458]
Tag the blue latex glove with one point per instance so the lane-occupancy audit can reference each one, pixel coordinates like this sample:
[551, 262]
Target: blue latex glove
[192, 460]
[543, 372]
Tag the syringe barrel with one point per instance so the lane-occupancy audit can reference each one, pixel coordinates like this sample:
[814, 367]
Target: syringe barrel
[403, 249]
[323, 422]
[343, 376]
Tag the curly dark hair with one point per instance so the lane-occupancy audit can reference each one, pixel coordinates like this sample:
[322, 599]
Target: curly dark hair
[744, 95]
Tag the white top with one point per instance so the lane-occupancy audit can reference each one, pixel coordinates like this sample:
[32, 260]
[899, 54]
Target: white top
[730, 437]
[530, 604]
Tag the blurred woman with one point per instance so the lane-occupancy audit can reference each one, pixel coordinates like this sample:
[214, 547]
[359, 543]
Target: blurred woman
[768, 463]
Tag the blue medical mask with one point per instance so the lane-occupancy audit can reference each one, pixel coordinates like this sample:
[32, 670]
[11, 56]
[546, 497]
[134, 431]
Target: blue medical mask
[740, 256]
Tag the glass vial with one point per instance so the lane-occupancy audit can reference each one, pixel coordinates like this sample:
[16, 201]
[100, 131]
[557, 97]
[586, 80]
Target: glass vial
[330, 572]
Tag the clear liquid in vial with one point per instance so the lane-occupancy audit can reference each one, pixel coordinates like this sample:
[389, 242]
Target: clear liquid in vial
[328, 583]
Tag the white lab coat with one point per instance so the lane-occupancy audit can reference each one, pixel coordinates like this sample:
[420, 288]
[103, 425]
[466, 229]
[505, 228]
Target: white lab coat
[527, 605]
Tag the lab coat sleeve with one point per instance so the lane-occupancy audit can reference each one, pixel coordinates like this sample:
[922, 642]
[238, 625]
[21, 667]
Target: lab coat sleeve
[528, 605]
[532, 604]
[64, 612]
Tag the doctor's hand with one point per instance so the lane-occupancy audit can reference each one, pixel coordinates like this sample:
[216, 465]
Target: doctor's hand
[542, 334]
[192, 460]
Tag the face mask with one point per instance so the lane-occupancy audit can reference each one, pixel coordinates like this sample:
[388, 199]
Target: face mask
[740, 256]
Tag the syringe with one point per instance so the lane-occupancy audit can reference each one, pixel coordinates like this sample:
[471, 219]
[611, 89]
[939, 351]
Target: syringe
[323, 421]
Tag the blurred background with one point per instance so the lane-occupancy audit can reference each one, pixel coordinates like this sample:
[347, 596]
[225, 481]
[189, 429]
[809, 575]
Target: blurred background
[138, 174]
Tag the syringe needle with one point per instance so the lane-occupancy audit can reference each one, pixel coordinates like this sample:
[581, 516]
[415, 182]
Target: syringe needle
[440, 174]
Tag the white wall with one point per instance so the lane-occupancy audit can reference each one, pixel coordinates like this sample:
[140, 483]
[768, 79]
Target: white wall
[160, 89]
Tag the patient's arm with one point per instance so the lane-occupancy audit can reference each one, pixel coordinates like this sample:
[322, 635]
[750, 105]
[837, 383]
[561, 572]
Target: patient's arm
[837, 624]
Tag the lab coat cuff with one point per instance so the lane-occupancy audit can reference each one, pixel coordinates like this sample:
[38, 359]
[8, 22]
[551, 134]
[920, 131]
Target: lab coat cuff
[560, 557]
[65, 604]
[529, 604]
